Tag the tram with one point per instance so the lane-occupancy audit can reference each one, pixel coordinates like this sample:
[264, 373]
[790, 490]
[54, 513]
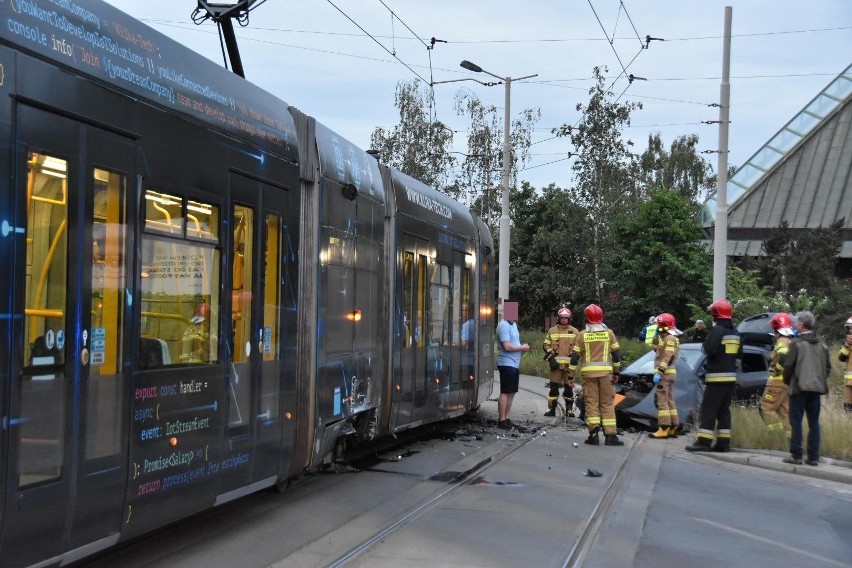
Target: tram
[206, 291]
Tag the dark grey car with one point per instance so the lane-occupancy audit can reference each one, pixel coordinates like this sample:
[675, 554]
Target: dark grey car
[636, 384]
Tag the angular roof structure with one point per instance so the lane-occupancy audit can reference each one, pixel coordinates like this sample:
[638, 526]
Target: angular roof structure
[803, 176]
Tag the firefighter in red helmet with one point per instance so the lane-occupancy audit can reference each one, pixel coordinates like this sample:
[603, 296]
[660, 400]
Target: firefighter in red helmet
[558, 344]
[598, 355]
[775, 403]
[723, 350]
[847, 371]
[666, 347]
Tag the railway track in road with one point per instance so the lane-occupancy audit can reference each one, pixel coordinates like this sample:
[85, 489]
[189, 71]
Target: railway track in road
[574, 555]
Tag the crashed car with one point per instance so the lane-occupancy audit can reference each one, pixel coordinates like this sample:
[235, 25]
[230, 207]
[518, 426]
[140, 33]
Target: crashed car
[637, 386]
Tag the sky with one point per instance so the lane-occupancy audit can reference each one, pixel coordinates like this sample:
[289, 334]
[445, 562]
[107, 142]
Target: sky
[318, 56]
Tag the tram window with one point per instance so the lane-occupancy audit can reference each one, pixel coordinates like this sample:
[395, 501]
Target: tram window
[439, 315]
[42, 398]
[202, 221]
[163, 213]
[104, 410]
[180, 303]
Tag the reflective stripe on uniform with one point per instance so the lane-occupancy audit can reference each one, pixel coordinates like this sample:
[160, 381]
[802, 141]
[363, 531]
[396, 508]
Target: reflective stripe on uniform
[720, 378]
[597, 366]
[731, 343]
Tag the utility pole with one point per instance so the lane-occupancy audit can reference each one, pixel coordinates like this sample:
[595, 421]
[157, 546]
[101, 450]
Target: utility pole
[720, 233]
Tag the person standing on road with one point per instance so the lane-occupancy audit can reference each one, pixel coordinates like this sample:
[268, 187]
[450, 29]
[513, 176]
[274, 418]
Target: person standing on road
[775, 404]
[558, 344]
[847, 373]
[723, 350]
[509, 349]
[665, 374]
[806, 369]
[598, 350]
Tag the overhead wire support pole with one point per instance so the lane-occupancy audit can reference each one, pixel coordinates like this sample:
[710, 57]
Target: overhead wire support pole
[720, 232]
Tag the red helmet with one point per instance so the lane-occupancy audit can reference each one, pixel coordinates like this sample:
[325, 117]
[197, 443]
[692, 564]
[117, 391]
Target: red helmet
[721, 309]
[781, 320]
[594, 314]
[666, 322]
[563, 313]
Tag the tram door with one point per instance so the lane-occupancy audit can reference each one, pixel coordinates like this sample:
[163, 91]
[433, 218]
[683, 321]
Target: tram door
[67, 416]
[410, 377]
[257, 377]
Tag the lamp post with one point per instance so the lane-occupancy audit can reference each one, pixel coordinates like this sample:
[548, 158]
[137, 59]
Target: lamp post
[503, 260]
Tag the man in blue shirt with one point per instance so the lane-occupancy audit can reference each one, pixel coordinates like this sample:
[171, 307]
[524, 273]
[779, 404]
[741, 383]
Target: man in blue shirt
[509, 349]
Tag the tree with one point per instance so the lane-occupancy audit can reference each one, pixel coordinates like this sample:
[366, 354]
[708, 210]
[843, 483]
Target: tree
[550, 265]
[602, 167]
[680, 169]
[659, 264]
[481, 170]
[417, 146]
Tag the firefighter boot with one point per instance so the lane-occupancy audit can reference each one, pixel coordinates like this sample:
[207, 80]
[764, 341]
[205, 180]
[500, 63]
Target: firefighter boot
[675, 430]
[661, 434]
[612, 440]
[593, 440]
[700, 445]
[569, 407]
[551, 407]
[722, 445]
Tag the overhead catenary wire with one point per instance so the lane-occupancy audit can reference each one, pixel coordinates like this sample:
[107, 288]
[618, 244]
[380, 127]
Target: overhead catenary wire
[407, 66]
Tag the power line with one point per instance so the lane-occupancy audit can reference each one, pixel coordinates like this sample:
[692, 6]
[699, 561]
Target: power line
[377, 41]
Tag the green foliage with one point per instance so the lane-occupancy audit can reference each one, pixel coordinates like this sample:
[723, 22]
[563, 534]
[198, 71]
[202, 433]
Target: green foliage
[549, 262]
[659, 265]
[417, 146]
[680, 169]
[602, 168]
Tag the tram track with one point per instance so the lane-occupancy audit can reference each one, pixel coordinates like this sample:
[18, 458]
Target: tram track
[460, 480]
[581, 548]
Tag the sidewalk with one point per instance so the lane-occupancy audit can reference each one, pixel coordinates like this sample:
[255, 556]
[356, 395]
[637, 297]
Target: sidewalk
[528, 409]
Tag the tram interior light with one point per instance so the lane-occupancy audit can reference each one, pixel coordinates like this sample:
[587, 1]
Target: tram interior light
[354, 315]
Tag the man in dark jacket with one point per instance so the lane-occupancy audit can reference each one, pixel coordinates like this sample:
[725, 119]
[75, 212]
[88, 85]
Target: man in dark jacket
[806, 369]
[723, 351]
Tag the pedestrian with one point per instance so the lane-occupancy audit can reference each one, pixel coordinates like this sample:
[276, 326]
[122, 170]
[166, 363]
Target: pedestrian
[847, 373]
[649, 332]
[806, 369]
[509, 349]
[665, 374]
[598, 355]
[696, 333]
[558, 344]
[775, 404]
[723, 350]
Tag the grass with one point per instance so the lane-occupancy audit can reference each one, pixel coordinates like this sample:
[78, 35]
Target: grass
[749, 432]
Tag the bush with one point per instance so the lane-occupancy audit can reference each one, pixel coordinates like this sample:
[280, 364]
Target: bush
[533, 363]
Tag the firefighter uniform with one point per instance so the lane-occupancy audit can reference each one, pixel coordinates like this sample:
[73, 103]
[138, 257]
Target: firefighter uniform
[847, 371]
[558, 344]
[723, 350]
[775, 403]
[594, 359]
[667, 348]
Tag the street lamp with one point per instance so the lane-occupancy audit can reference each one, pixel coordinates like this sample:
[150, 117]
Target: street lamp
[503, 260]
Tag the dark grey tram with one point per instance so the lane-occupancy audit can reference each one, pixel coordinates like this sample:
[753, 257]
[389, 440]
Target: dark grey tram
[206, 292]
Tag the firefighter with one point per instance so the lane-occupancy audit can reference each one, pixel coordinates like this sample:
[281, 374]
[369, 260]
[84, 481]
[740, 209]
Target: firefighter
[598, 354]
[723, 350]
[667, 347]
[558, 344]
[775, 404]
[847, 372]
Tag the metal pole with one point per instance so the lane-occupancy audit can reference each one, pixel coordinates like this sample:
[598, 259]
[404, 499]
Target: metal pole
[720, 234]
[503, 266]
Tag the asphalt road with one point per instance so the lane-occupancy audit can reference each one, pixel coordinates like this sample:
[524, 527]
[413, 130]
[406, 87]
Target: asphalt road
[532, 504]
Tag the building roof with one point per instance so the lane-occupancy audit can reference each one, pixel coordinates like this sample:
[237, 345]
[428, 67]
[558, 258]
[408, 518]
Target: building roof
[803, 175]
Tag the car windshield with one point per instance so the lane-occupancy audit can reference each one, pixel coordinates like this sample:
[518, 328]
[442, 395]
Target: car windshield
[644, 365]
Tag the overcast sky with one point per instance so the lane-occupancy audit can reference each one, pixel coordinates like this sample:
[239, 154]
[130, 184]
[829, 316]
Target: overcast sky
[312, 54]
